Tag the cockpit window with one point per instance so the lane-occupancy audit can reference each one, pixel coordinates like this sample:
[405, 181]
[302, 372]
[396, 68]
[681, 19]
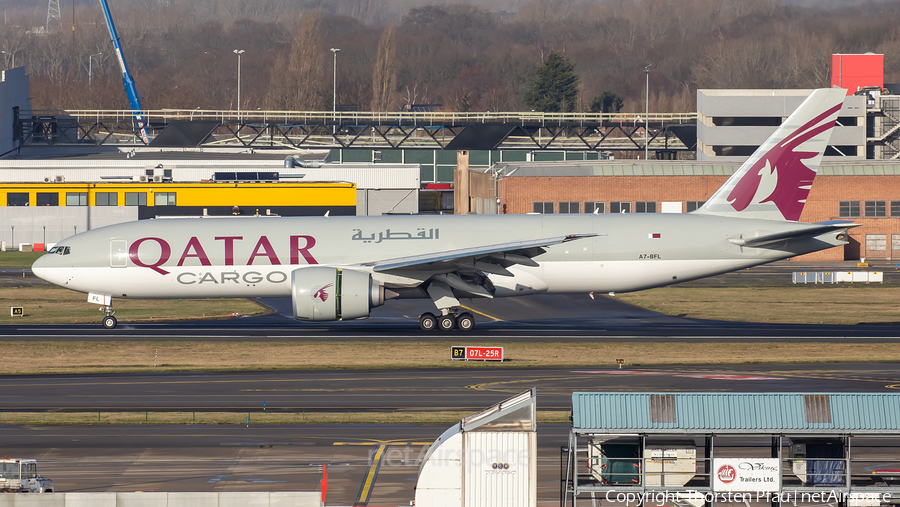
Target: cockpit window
[59, 250]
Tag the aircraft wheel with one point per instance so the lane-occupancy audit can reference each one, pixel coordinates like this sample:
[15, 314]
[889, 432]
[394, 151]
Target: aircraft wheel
[109, 322]
[465, 321]
[447, 322]
[427, 322]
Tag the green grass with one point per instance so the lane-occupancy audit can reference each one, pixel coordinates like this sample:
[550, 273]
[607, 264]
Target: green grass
[53, 305]
[799, 304]
[18, 259]
[92, 357]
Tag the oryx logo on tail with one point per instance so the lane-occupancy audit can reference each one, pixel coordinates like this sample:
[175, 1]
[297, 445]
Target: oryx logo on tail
[780, 176]
[774, 182]
[322, 294]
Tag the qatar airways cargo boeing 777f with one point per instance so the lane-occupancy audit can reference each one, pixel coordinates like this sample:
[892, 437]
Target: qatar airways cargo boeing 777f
[339, 268]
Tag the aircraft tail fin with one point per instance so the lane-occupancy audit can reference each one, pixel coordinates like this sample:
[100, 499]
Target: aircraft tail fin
[774, 182]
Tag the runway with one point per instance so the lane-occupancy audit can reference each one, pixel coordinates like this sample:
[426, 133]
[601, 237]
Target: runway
[468, 389]
[289, 457]
[553, 317]
[560, 317]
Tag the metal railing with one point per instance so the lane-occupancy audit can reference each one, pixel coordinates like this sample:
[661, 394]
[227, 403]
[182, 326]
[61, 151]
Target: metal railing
[374, 130]
[437, 118]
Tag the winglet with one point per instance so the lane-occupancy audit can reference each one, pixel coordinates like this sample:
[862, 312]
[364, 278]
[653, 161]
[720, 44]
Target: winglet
[774, 182]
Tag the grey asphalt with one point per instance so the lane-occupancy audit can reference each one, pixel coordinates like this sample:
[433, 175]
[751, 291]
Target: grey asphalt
[569, 317]
[416, 389]
[255, 458]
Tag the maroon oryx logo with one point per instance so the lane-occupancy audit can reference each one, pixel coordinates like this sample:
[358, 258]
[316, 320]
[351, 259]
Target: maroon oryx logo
[787, 177]
[321, 294]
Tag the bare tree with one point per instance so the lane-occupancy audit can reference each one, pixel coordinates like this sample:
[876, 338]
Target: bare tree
[384, 77]
[297, 81]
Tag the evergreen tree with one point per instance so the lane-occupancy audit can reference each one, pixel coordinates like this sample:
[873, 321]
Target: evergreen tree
[555, 87]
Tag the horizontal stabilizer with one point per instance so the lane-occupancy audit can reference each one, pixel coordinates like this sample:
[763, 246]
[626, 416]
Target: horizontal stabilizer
[801, 232]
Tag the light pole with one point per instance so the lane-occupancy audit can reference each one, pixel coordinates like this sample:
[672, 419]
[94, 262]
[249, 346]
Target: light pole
[91, 67]
[334, 103]
[239, 52]
[647, 115]
[13, 57]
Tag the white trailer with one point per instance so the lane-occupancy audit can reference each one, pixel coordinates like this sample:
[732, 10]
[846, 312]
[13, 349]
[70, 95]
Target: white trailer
[21, 476]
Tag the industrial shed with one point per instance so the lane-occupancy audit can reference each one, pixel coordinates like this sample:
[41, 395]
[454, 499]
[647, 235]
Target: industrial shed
[713, 448]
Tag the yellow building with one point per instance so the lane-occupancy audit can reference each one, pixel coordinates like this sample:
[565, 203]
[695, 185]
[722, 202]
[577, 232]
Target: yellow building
[190, 199]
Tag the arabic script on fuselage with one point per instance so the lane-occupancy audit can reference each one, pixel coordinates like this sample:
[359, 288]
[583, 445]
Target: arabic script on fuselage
[389, 235]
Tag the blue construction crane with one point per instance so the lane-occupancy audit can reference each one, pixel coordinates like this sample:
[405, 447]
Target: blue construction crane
[134, 97]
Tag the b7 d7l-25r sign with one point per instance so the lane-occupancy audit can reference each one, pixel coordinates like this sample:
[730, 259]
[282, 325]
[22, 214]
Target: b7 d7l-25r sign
[476, 353]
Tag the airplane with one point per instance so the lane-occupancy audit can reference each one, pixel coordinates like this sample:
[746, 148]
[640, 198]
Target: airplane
[339, 268]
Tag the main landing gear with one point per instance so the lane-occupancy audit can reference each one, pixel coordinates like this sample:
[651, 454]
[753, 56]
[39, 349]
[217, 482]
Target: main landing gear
[450, 318]
[447, 322]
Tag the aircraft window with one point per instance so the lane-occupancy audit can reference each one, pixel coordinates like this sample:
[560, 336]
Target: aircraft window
[59, 250]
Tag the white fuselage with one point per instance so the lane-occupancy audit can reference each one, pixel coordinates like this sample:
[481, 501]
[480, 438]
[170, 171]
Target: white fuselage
[254, 257]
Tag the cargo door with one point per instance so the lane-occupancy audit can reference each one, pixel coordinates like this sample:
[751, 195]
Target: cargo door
[118, 253]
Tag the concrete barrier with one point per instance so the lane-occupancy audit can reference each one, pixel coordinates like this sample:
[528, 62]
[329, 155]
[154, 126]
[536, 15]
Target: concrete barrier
[837, 276]
[161, 499]
[88, 499]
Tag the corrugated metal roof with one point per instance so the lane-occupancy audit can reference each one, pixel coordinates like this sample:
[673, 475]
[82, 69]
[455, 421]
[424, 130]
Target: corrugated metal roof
[674, 168]
[737, 413]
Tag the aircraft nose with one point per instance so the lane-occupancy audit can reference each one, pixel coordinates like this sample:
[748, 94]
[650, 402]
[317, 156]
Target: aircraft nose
[39, 267]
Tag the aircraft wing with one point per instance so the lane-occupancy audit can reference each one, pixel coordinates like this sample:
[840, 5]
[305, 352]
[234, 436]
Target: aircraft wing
[811, 230]
[489, 258]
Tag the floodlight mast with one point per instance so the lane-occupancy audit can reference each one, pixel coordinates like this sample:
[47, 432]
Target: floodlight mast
[134, 97]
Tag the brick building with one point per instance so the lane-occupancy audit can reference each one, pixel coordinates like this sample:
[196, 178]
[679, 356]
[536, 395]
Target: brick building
[865, 191]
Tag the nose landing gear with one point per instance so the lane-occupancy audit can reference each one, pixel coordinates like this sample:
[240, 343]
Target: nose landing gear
[109, 322]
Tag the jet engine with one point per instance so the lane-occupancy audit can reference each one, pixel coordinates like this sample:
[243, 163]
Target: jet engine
[328, 293]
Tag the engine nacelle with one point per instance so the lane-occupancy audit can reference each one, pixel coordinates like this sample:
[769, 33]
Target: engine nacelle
[327, 293]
